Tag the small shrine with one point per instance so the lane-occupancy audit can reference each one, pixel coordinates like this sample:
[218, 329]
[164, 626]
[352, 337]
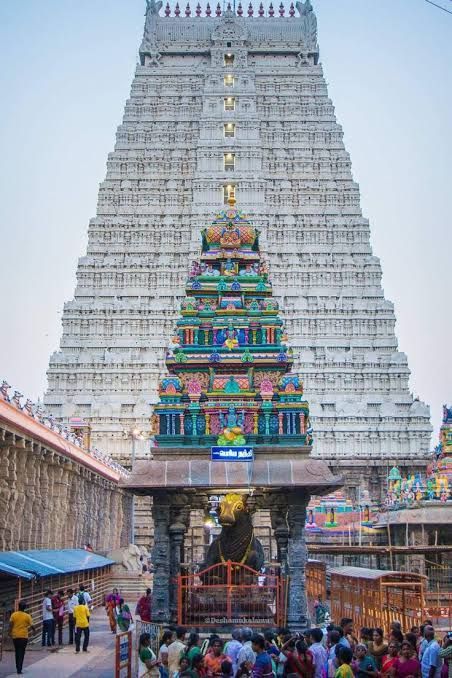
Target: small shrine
[418, 506]
[232, 431]
[230, 380]
[436, 484]
[335, 515]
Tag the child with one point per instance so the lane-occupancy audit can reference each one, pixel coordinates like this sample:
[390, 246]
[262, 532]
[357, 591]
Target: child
[344, 658]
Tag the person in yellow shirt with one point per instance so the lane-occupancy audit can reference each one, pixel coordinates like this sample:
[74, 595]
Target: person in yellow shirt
[344, 657]
[81, 620]
[20, 623]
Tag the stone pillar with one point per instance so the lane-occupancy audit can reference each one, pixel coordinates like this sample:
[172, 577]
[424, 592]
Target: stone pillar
[278, 517]
[179, 520]
[297, 619]
[7, 520]
[160, 559]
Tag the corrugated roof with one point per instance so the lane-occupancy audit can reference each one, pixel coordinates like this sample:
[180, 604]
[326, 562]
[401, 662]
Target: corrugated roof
[49, 562]
[364, 572]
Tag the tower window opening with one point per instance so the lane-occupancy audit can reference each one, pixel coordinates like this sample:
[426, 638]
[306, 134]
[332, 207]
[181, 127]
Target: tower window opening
[229, 130]
[229, 162]
[229, 80]
[229, 104]
[228, 59]
[228, 192]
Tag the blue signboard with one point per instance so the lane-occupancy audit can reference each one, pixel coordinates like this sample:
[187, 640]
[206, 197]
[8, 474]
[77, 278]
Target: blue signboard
[225, 453]
[124, 648]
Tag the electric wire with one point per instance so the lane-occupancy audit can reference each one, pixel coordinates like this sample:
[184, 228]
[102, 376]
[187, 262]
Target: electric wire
[430, 2]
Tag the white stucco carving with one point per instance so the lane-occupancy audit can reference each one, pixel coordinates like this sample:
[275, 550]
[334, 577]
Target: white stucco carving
[165, 179]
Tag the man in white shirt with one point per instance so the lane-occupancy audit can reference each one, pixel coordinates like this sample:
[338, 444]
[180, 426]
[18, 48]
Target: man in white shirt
[47, 619]
[72, 601]
[175, 650]
[85, 594]
[319, 653]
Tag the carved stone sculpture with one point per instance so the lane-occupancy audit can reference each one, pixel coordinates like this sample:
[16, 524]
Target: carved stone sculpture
[236, 541]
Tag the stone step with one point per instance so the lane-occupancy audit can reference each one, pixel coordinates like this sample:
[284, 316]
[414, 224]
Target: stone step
[130, 586]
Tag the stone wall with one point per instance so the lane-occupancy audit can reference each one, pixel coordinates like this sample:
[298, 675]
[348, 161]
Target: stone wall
[54, 494]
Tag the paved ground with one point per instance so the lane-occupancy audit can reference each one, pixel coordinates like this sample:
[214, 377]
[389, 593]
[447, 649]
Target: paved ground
[64, 663]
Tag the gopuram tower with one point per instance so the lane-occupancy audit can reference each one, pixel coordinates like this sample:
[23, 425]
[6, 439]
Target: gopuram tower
[236, 101]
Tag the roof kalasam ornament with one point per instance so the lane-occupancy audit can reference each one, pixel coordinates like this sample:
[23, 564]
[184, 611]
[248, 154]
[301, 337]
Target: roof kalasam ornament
[230, 380]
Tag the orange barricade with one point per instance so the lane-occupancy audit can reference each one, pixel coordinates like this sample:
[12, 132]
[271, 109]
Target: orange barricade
[231, 593]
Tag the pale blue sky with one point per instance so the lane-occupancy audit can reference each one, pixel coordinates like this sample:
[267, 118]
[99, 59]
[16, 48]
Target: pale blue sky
[66, 71]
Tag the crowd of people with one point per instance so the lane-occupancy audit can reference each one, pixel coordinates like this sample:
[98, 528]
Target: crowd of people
[333, 652]
[75, 605]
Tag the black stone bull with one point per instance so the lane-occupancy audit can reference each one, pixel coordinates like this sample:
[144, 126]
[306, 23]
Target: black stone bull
[236, 541]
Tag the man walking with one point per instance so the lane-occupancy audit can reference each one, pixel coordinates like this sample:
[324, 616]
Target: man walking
[81, 618]
[47, 619]
[20, 623]
[72, 601]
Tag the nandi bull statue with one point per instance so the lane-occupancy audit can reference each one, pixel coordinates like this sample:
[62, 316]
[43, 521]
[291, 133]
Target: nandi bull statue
[236, 541]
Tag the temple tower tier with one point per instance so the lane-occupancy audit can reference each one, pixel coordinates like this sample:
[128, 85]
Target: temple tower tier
[230, 381]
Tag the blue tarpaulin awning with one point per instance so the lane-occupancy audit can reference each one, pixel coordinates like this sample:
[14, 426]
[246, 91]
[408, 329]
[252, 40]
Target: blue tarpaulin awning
[14, 571]
[44, 563]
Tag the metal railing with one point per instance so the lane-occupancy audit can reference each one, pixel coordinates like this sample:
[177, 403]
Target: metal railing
[231, 593]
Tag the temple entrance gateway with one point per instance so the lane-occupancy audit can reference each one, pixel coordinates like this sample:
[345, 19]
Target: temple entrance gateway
[231, 423]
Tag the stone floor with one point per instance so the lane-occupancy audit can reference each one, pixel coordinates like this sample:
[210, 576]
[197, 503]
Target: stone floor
[99, 662]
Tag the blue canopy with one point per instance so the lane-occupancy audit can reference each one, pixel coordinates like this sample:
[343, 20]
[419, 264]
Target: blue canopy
[14, 571]
[29, 564]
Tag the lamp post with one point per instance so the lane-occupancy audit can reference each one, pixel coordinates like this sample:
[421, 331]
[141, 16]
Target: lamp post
[134, 434]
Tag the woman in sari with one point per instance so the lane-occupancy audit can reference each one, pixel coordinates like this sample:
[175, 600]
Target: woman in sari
[123, 615]
[110, 606]
[193, 648]
[389, 659]
[146, 658]
[378, 648]
[407, 665]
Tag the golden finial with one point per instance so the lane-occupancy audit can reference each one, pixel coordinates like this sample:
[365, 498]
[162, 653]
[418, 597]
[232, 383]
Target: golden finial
[231, 200]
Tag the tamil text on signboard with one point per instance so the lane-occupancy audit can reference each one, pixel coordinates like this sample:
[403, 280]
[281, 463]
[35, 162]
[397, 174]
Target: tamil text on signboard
[242, 453]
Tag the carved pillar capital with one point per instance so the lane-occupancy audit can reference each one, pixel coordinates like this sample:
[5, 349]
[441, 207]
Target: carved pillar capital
[280, 526]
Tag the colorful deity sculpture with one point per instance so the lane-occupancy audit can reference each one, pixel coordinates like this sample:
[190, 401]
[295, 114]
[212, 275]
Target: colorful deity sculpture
[230, 343]
[233, 428]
